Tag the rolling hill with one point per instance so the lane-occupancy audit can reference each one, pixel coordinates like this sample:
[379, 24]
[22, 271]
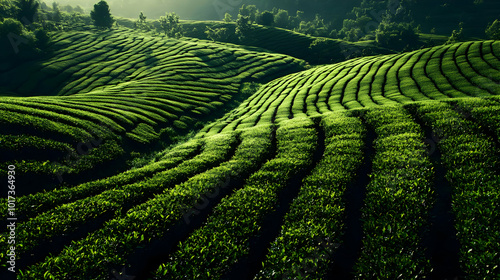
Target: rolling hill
[380, 166]
[461, 70]
[106, 94]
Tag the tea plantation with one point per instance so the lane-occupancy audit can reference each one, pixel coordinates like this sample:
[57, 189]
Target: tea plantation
[380, 167]
[109, 94]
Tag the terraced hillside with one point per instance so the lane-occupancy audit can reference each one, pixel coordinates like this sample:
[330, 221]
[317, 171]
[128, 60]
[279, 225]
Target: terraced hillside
[461, 70]
[107, 94]
[378, 167]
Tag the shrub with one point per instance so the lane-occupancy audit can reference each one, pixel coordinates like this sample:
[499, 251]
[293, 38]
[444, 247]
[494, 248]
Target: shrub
[228, 18]
[493, 31]
[243, 28]
[266, 18]
[170, 25]
[249, 11]
[101, 16]
[282, 19]
[14, 38]
[394, 35]
[27, 10]
[456, 36]
[42, 38]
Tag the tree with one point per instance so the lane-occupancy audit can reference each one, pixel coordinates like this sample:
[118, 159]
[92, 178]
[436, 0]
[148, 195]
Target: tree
[282, 19]
[170, 25]
[493, 31]
[396, 36]
[78, 9]
[250, 11]
[266, 18]
[294, 22]
[456, 36]
[142, 18]
[101, 16]
[68, 8]
[16, 39]
[7, 10]
[228, 18]
[243, 28]
[56, 13]
[27, 10]
[142, 23]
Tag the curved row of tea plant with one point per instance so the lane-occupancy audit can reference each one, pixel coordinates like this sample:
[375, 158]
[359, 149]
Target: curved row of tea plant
[472, 161]
[316, 220]
[398, 199]
[150, 220]
[470, 69]
[30, 205]
[67, 217]
[224, 238]
[395, 212]
[116, 92]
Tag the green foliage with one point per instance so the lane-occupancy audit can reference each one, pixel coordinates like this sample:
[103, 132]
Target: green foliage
[142, 205]
[141, 23]
[7, 9]
[249, 11]
[322, 48]
[11, 25]
[42, 38]
[266, 18]
[244, 29]
[221, 243]
[27, 10]
[282, 19]
[78, 9]
[101, 15]
[217, 34]
[144, 134]
[228, 18]
[68, 9]
[456, 35]
[120, 235]
[493, 30]
[396, 35]
[313, 227]
[316, 27]
[17, 42]
[398, 198]
[170, 25]
[142, 18]
[56, 13]
[471, 168]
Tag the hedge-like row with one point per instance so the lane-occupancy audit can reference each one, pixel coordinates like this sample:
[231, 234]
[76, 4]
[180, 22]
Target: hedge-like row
[34, 204]
[92, 257]
[212, 250]
[315, 223]
[398, 199]
[472, 163]
[66, 218]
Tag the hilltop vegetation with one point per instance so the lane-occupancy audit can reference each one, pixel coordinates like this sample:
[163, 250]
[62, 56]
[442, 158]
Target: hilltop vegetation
[452, 71]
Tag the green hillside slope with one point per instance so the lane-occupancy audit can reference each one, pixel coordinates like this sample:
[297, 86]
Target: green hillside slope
[468, 69]
[107, 94]
[377, 167]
